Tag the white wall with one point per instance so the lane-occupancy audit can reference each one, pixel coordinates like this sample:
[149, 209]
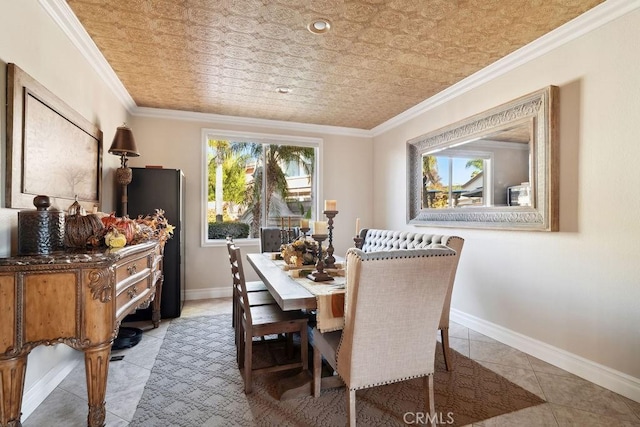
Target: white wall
[345, 174]
[30, 39]
[578, 290]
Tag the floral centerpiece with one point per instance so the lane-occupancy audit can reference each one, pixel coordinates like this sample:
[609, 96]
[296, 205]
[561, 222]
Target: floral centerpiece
[300, 252]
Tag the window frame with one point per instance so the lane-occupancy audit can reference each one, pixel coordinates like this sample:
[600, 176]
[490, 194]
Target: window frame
[263, 138]
[488, 162]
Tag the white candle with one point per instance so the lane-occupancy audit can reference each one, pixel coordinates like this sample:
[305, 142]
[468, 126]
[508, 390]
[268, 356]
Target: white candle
[357, 226]
[320, 227]
[330, 205]
[304, 223]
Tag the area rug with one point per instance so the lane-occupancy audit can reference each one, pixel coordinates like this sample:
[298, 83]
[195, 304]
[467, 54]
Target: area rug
[195, 382]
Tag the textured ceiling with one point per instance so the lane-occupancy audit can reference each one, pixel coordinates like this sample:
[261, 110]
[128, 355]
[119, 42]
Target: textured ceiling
[379, 59]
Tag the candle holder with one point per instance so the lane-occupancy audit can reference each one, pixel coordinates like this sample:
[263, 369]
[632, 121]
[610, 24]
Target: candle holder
[319, 275]
[305, 230]
[330, 260]
[358, 241]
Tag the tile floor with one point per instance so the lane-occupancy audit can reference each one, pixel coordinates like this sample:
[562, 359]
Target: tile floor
[571, 401]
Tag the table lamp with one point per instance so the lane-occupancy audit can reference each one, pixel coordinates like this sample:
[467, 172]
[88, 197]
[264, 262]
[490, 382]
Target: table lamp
[123, 145]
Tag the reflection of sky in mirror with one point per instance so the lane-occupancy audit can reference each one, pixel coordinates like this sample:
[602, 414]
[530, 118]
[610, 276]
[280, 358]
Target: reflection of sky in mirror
[461, 173]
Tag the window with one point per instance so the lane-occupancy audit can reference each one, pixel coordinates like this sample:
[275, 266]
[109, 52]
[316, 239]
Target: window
[240, 197]
[456, 180]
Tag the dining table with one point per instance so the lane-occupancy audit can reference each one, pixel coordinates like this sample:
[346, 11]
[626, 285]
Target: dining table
[285, 290]
[292, 290]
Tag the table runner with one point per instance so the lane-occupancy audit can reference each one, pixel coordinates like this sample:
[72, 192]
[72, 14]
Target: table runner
[329, 295]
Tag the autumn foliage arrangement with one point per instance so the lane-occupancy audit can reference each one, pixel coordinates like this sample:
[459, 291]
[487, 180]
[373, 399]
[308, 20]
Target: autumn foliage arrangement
[122, 231]
[300, 252]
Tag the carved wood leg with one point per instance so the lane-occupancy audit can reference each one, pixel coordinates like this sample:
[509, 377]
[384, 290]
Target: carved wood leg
[96, 365]
[155, 305]
[12, 373]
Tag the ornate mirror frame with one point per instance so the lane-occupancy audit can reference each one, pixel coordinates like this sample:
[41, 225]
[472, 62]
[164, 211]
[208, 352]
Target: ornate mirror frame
[541, 109]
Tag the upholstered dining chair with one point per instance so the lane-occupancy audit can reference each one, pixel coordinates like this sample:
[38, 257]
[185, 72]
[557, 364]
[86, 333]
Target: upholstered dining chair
[393, 304]
[258, 293]
[270, 239]
[259, 321]
[381, 240]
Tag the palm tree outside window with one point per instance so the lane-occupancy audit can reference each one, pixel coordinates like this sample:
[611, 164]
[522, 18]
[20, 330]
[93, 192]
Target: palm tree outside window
[455, 180]
[257, 183]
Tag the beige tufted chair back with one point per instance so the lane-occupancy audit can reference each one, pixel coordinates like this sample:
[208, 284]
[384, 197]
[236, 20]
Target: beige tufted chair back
[385, 240]
[393, 304]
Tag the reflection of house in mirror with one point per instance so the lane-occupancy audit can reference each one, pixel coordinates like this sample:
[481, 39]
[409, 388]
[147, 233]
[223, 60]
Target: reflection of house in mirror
[505, 163]
[471, 194]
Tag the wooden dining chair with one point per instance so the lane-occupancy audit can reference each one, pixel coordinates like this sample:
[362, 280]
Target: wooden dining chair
[393, 303]
[259, 295]
[263, 320]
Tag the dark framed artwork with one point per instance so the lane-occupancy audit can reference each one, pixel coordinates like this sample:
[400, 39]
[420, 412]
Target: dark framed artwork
[51, 149]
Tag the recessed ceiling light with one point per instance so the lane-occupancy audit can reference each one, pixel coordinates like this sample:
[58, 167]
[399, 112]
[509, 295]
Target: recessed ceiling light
[283, 89]
[319, 26]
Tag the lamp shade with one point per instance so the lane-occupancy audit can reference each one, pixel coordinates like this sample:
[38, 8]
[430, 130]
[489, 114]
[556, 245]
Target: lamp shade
[123, 143]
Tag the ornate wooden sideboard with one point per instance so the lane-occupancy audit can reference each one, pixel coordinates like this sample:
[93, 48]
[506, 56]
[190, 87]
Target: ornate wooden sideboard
[77, 298]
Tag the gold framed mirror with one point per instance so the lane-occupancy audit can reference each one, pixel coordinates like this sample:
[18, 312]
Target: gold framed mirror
[497, 169]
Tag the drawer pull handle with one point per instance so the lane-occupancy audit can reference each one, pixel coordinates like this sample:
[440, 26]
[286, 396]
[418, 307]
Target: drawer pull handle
[132, 269]
[132, 292]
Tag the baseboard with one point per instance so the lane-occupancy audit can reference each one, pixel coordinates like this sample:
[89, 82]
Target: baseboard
[208, 293]
[613, 380]
[33, 397]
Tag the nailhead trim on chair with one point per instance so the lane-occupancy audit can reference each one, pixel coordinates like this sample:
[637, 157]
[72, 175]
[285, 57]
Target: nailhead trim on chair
[387, 382]
[402, 253]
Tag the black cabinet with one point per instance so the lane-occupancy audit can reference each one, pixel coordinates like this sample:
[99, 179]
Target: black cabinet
[151, 189]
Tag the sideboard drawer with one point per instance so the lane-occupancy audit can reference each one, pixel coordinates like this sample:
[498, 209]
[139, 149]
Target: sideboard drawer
[135, 279]
[132, 267]
[132, 295]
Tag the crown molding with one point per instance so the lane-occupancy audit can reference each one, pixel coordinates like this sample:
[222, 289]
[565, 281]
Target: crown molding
[219, 119]
[600, 15]
[62, 15]
[588, 21]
